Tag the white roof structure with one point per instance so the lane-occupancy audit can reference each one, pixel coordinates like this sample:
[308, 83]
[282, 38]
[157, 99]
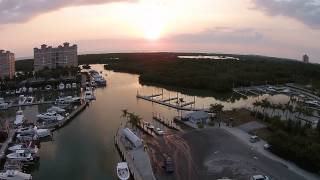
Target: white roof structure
[197, 115]
[134, 139]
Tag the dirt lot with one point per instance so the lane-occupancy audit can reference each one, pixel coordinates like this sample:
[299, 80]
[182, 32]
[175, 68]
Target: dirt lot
[210, 154]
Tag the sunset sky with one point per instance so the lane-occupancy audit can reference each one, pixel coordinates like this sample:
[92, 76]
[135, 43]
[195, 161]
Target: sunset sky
[285, 28]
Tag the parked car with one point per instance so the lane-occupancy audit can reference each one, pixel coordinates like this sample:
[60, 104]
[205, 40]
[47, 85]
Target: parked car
[267, 146]
[259, 177]
[254, 139]
[158, 131]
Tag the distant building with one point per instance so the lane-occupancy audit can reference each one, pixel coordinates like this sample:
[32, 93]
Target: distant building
[62, 56]
[7, 64]
[305, 58]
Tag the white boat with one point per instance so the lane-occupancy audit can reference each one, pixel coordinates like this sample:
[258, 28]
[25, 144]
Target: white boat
[74, 85]
[14, 175]
[100, 81]
[29, 100]
[42, 133]
[68, 86]
[20, 155]
[27, 137]
[28, 130]
[67, 100]
[123, 171]
[18, 91]
[30, 90]
[61, 86]
[97, 78]
[50, 116]
[19, 118]
[56, 109]
[88, 96]
[3, 104]
[33, 150]
[22, 99]
[24, 89]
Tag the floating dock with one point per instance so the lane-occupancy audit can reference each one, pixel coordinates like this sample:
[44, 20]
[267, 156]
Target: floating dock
[178, 107]
[137, 158]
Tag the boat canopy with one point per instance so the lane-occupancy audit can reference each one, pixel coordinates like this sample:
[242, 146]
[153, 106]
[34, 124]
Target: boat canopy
[134, 139]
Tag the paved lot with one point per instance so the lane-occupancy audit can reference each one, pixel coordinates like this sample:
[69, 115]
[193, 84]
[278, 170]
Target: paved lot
[213, 153]
[251, 126]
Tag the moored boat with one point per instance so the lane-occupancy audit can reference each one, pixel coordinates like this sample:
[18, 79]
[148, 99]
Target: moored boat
[123, 171]
[31, 148]
[14, 175]
[50, 116]
[21, 155]
[19, 118]
[56, 109]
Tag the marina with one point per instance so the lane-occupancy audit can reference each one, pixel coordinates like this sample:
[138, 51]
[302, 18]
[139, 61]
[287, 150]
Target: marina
[95, 131]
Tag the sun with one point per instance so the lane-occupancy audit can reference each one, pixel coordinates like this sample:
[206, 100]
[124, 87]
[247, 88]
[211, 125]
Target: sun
[153, 20]
[153, 33]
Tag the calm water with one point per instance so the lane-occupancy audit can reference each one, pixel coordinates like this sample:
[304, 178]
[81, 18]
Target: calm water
[84, 149]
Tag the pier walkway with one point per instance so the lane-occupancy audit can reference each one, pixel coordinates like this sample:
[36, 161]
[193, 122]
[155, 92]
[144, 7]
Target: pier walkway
[165, 123]
[137, 158]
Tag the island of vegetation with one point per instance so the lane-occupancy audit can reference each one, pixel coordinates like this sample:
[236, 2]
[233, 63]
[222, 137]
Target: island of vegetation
[210, 74]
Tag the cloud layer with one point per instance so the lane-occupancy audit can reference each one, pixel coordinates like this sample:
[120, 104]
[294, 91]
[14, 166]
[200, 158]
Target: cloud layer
[19, 11]
[305, 11]
[222, 35]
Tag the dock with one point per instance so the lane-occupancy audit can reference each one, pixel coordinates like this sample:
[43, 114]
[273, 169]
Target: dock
[5, 145]
[165, 103]
[137, 158]
[66, 120]
[146, 130]
[167, 124]
[237, 91]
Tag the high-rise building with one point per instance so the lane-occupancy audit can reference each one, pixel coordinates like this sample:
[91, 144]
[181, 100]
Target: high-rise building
[7, 64]
[305, 58]
[62, 56]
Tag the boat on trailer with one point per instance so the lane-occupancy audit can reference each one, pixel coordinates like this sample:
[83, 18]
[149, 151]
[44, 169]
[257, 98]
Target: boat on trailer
[123, 171]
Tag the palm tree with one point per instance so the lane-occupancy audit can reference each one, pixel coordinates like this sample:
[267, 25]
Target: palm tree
[216, 108]
[124, 113]
[265, 104]
[134, 119]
